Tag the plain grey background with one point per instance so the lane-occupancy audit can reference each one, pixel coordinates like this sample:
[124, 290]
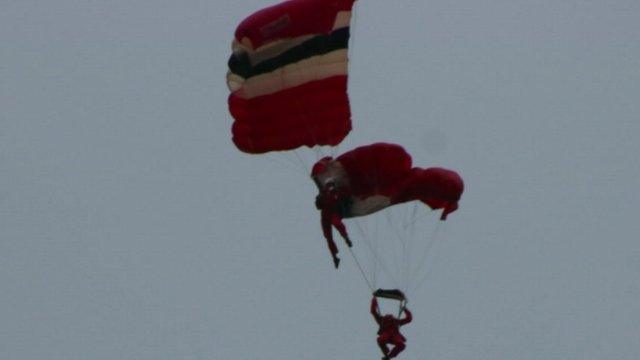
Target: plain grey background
[132, 228]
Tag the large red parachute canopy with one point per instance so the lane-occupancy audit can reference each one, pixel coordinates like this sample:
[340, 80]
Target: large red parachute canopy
[381, 175]
[288, 76]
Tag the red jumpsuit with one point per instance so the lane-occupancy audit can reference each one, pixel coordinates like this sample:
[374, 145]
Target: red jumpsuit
[389, 332]
[331, 204]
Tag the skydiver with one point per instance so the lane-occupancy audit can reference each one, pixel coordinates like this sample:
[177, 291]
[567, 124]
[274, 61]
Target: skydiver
[333, 205]
[389, 331]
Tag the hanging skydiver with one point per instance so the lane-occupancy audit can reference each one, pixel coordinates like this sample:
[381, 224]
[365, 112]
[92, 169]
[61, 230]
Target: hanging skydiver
[333, 204]
[333, 200]
[389, 331]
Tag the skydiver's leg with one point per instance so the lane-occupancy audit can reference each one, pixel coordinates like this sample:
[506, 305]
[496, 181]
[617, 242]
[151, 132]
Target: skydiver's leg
[339, 225]
[398, 346]
[396, 350]
[382, 343]
[328, 235]
[383, 348]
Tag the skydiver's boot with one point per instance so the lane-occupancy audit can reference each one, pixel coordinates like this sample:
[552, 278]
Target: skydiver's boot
[336, 261]
[348, 241]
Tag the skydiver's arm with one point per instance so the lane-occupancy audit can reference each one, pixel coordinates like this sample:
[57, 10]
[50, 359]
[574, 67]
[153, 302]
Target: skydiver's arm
[408, 317]
[375, 311]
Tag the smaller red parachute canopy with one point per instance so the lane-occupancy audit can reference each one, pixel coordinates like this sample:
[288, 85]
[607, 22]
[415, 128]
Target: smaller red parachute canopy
[288, 76]
[381, 175]
[437, 187]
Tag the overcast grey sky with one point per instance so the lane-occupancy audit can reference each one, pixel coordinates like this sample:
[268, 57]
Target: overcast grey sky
[132, 228]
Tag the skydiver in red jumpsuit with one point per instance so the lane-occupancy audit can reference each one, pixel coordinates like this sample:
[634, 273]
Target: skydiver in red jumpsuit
[333, 205]
[389, 331]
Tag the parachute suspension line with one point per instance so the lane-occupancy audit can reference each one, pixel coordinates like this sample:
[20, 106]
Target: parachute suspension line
[376, 248]
[297, 161]
[301, 161]
[375, 255]
[395, 254]
[414, 217]
[366, 279]
[401, 266]
[432, 241]
[363, 236]
[407, 247]
[286, 162]
[409, 233]
[424, 260]
[318, 153]
[409, 219]
[412, 240]
[426, 274]
[334, 151]
[322, 151]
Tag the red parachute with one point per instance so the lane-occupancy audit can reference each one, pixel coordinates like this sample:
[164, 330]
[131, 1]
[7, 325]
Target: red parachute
[379, 175]
[288, 76]
[373, 177]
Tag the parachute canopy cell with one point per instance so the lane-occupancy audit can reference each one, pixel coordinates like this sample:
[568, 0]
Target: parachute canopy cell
[288, 76]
